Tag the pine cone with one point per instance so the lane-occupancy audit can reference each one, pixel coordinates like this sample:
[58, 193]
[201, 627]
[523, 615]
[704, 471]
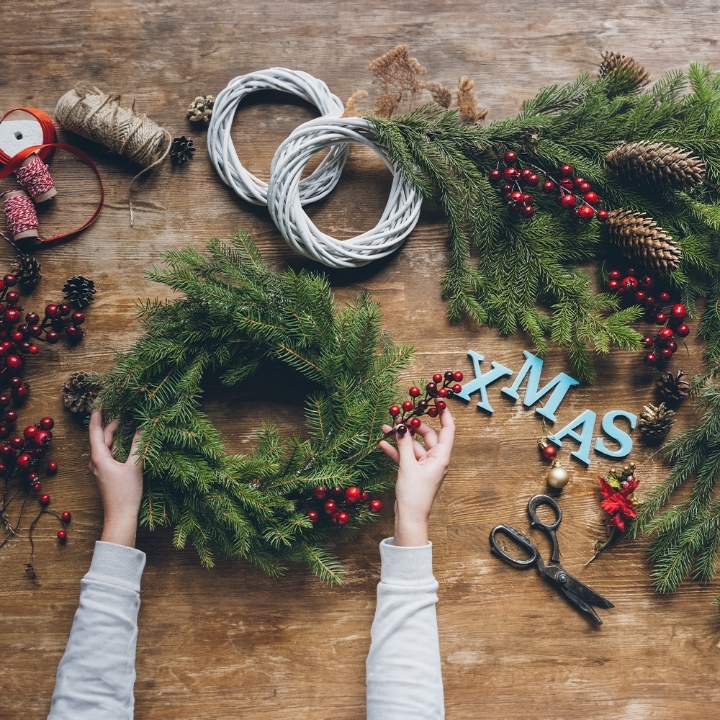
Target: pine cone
[201, 108]
[80, 391]
[674, 388]
[182, 150]
[624, 68]
[640, 238]
[655, 422]
[657, 164]
[27, 270]
[79, 291]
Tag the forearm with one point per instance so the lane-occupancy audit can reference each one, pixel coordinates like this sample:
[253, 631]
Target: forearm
[96, 675]
[404, 678]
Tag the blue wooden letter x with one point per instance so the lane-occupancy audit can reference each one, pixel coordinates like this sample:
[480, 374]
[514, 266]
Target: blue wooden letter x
[481, 381]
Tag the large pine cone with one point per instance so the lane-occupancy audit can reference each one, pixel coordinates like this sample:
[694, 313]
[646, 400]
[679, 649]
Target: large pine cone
[79, 291]
[80, 391]
[673, 388]
[655, 163]
[27, 270]
[625, 68]
[655, 422]
[640, 238]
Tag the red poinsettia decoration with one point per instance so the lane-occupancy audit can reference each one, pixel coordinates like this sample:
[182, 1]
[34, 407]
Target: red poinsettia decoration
[617, 503]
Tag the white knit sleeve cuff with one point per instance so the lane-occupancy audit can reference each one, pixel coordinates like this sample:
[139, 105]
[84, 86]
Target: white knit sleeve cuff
[117, 565]
[405, 565]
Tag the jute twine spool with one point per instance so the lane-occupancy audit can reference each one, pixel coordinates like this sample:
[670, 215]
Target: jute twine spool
[94, 115]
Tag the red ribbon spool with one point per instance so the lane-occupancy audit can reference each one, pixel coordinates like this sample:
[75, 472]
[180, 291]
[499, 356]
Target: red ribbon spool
[49, 137]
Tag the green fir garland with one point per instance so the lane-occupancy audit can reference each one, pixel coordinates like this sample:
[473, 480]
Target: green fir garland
[234, 318]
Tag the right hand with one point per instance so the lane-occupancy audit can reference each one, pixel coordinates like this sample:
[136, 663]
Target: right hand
[120, 484]
[420, 475]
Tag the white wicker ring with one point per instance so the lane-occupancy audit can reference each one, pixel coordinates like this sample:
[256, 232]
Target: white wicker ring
[222, 151]
[285, 203]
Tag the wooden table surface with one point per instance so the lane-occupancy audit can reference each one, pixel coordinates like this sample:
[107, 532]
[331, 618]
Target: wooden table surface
[231, 643]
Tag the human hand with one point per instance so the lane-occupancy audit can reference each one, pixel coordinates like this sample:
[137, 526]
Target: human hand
[120, 484]
[420, 475]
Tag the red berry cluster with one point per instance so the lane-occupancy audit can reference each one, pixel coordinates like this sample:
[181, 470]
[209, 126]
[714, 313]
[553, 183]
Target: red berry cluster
[339, 504]
[406, 416]
[658, 309]
[574, 193]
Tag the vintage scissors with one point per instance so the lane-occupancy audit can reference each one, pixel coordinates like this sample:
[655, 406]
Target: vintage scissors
[576, 592]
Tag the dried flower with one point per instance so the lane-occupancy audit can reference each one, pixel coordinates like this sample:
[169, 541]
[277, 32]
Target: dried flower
[467, 102]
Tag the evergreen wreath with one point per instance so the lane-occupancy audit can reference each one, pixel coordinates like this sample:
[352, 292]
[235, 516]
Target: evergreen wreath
[234, 318]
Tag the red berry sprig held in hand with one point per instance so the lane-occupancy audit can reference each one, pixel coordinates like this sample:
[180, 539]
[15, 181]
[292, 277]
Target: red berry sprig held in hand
[574, 193]
[405, 417]
[337, 505]
[641, 289]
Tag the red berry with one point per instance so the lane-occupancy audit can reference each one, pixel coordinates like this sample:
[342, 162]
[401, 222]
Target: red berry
[630, 283]
[566, 170]
[330, 506]
[52, 336]
[437, 378]
[401, 430]
[12, 297]
[17, 336]
[516, 196]
[578, 181]
[495, 175]
[666, 353]
[664, 296]
[432, 412]
[415, 423]
[683, 330]
[64, 309]
[394, 410]
[22, 392]
[533, 179]
[646, 282]
[431, 389]
[640, 296]
[457, 388]
[457, 376]
[510, 156]
[62, 535]
[312, 515]
[527, 211]
[678, 311]
[52, 311]
[615, 275]
[44, 499]
[33, 349]
[591, 197]
[407, 406]
[509, 173]
[338, 492]
[10, 280]
[651, 359]
[17, 442]
[74, 332]
[38, 453]
[665, 333]
[32, 477]
[10, 417]
[334, 516]
[506, 188]
[602, 215]
[414, 391]
[24, 461]
[649, 301]
[548, 452]
[77, 318]
[660, 318]
[42, 438]
[343, 518]
[29, 431]
[353, 493]
[567, 183]
[673, 346]
[648, 342]
[36, 486]
[449, 375]
[548, 186]
[375, 506]
[586, 212]
[584, 187]
[613, 285]
[319, 492]
[440, 404]
[12, 315]
[566, 200]
[528, 199]
[32, 318]
[14, 362]
[364, 497]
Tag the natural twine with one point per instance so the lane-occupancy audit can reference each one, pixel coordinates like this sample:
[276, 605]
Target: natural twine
[96, 116]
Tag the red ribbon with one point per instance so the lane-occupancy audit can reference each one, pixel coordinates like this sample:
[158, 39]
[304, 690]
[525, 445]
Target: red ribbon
[47, 148]
[48, 131]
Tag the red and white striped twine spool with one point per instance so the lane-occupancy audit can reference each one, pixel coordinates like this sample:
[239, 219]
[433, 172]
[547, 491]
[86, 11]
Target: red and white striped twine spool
[35, 177]
[20, 215]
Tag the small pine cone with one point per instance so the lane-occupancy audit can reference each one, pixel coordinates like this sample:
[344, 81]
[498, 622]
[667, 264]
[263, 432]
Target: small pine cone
[673, 388]
[80, 391]
[27, 270]
[79, 291]
[201, 108]
[655, 422]
[182, 149]
[625, 68]
[657, 164]
[640, 238]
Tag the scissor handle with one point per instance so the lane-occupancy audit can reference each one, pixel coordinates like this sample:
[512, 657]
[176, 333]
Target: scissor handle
[520, 539]
[549, 528]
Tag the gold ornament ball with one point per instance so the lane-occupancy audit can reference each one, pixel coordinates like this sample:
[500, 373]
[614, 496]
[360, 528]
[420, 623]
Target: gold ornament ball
[558, 477]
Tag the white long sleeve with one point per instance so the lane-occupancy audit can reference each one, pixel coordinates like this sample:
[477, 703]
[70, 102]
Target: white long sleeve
[96, 675]
[404, 678]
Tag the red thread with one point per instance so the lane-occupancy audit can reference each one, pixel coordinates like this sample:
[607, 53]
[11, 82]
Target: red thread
[35, 177]
[48, 131]
[20, 214]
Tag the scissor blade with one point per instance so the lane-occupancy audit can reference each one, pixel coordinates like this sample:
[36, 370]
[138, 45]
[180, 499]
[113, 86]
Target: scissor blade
[583, 591]
[581, 604]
